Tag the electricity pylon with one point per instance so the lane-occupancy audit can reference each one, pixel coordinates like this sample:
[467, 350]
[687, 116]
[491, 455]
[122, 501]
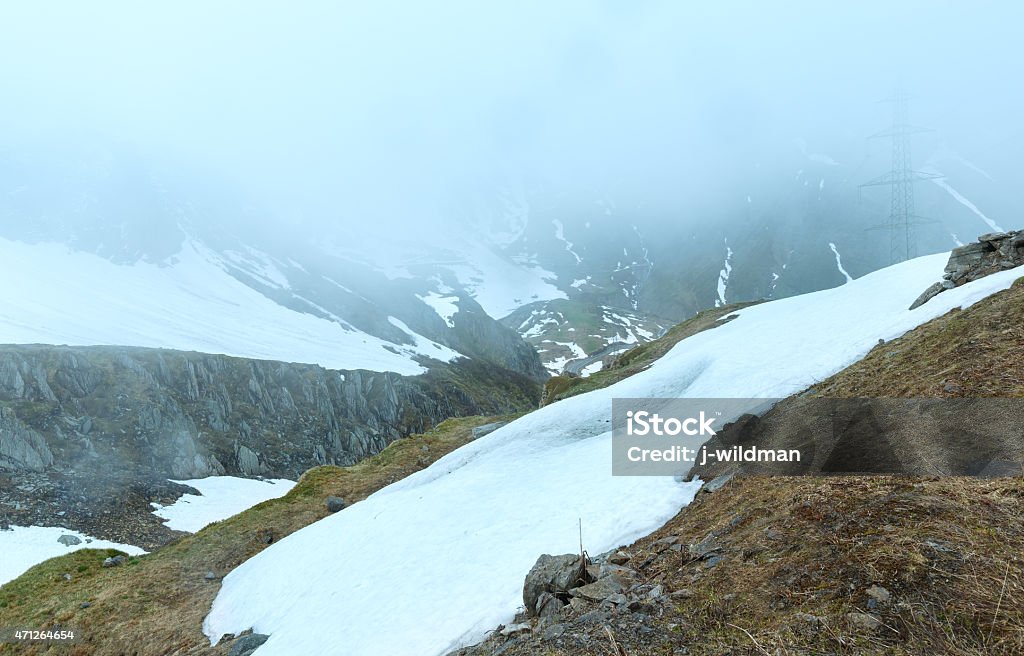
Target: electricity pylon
[901, 179]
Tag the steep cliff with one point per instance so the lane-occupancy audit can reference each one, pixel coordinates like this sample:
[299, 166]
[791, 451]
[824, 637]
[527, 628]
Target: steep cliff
[95, 431]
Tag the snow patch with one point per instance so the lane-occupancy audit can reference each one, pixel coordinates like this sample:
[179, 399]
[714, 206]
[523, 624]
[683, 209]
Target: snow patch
[560, 236]
[839, 262]
[221, 497]
[445, 306]
[24, 547]
[723, 276]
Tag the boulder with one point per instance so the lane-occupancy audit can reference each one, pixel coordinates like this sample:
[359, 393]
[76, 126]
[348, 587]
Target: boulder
[993, 252]
[553, 574]
[69, 540]
[334, 504]
[246, 645]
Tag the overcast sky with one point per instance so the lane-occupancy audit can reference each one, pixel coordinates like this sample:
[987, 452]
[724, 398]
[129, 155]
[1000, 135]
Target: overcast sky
[335, 111]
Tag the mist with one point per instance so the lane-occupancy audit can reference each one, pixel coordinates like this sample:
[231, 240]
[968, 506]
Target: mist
[334, 117]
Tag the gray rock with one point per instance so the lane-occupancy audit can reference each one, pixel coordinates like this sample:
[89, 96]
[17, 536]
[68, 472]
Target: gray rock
[486, 429]
[600, 589]
[246, 645]
[615, 570]
[21, 447]
[879, 594]
[993, 252]
[617, 599]
[515, 629]
[84, 605]
[210, 576]
[113, 561]
[552, 632]
[554, 574]
[718, 482]
[334, 504]
[548, 606]
[69, 540]
[934, 290]
[863, 621]
[619, 558]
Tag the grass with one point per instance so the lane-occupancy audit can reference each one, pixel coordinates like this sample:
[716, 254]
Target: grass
[155, 604]
[638, 358]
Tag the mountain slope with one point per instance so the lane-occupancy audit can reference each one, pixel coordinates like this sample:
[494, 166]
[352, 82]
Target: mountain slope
[538, 476]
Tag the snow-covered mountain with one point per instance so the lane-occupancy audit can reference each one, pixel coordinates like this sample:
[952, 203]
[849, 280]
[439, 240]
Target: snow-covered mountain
[578, 260]
[460, 535]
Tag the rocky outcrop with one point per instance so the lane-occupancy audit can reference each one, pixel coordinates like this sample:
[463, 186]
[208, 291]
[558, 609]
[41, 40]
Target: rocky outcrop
[90, 435]
[188, 415]
[993, 252]
[20, 446]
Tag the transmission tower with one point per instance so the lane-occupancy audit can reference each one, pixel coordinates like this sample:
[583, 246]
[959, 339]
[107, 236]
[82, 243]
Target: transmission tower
[901, 179]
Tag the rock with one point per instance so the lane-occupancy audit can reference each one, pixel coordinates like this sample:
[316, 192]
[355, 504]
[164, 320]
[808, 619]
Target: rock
[706, 546]
[619, 558]
[993, 252]
[548, 606]
[114, 561]
[615, 570]
[933, 290]
[553, 632]
[993, 236]
[641, 606]
[712, 561]
[952, 388]
[682, 593]
[879, 594]
[617, 599]
[655, 592]
[246, 645]
[600, 589]
[554, 574]
[21, 447]
[515, 629]
[718, 482]
[84, 605]
[334, 504]
[863, 621]
[69, 540]
[810, 619]
[210, 576]
[486, 429]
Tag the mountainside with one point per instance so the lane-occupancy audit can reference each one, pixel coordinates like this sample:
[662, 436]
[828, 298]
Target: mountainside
[543, 474]
[556, 448]
[97, 431]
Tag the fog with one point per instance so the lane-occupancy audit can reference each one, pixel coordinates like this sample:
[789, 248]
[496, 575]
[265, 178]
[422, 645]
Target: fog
[390, 113]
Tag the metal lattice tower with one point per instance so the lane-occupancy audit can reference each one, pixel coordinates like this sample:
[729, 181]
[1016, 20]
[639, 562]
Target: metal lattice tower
[901, 179]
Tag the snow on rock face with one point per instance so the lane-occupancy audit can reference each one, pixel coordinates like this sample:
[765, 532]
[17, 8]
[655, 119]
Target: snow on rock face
[437, 559]
[445, 306]
[26, 546]
[222, 497]
[57, 296]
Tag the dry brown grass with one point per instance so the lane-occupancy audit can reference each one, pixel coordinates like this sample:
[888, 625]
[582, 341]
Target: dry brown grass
[155, 604]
